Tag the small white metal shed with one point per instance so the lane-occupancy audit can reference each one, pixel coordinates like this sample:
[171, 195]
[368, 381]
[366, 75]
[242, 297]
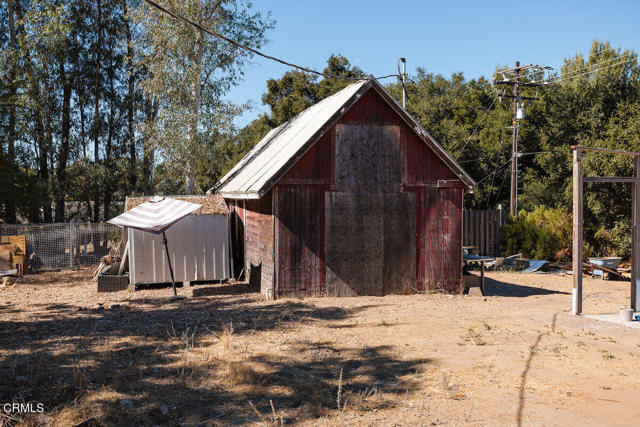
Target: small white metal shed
[198, 245]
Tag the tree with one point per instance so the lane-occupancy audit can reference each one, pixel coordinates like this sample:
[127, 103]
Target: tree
[286, 97]
[189, 73]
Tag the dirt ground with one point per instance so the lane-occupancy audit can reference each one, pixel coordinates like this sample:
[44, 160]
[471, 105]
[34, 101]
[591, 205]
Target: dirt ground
[513, 357]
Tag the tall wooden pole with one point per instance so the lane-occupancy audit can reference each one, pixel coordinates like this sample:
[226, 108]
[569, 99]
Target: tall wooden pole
[513, 203]
[577, 233]
[635, 237]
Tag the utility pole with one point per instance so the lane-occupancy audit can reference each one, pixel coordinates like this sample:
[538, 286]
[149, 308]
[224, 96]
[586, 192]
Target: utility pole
[403, 75]
[513, 200]
[514, 80]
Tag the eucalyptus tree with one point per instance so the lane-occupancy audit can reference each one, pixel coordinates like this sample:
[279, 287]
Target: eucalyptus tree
[189, 72]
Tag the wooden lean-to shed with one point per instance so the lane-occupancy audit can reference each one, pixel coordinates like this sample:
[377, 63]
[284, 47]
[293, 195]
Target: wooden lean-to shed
[198, 245]
[350, 197]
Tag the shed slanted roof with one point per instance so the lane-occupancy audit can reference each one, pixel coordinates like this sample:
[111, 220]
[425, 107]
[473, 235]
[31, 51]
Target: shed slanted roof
[211, 204]
[261, 168]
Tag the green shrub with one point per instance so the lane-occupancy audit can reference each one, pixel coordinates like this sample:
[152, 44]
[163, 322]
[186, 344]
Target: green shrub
[612, 241]
[544, 233]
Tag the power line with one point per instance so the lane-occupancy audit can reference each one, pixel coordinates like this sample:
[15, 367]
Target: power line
[500, 189]
[509, 161]
[476, 128]
[596, 65]
[496, 170]
[513, 198]
[600, 52]
[252, 50]
[593, 71]
[569, 73]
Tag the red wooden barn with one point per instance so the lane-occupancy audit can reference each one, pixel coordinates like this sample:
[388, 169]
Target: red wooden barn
[350, 197]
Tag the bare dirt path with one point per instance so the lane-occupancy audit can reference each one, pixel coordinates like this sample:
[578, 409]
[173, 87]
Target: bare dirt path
[513, 357]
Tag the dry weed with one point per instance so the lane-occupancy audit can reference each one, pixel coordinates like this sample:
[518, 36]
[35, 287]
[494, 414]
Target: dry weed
[240, 373]
[225, 338]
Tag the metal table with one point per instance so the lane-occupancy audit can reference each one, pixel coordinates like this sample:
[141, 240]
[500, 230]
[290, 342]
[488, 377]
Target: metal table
[481, 259]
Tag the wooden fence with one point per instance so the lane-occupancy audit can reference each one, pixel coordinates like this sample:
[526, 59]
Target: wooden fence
[483, 229]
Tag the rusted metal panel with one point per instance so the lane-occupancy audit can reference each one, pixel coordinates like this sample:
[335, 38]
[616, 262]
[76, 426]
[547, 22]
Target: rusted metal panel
[424, 167]
[300, 240]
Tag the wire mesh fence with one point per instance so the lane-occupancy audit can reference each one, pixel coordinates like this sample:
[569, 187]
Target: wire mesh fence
[64, 245]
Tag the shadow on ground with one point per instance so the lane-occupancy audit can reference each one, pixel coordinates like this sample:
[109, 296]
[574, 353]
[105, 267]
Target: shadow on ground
[494, 287]
[88, 361]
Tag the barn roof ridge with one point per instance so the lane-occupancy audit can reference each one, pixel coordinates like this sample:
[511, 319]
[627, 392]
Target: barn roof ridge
[258, 171]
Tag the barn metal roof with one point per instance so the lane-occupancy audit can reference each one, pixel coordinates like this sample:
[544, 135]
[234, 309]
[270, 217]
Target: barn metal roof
[261, 168]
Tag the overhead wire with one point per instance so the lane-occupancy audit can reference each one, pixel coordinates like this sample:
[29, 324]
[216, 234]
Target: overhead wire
[494, 171]
[577, 71]
[595, 66]
[493, 178]
[593, 71]
[509, 161]
[476, 128]
[252, 50]
[504, 177]
[599, 52]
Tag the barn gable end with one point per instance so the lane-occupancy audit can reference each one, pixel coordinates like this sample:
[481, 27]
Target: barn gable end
[368, 208]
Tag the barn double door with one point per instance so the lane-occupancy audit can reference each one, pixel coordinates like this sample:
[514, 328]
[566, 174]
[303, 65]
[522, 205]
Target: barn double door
[364, 233]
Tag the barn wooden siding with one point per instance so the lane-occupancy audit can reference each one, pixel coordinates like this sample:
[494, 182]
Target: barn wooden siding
[300, 205]
[259, 251]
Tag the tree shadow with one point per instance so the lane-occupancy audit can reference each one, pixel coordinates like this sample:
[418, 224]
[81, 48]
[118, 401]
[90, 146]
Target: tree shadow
[495, 287]
[202, 290]
[132, 353]
[523, 383]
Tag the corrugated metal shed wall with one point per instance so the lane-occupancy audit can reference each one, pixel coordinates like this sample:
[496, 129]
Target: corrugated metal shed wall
[198, 247]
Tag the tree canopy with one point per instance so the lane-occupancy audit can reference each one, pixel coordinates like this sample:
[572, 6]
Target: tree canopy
[105, 98]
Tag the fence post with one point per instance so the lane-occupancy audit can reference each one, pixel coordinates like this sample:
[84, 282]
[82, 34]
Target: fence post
[71, 241]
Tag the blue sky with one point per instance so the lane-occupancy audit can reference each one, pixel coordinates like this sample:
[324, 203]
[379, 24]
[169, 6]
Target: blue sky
[473, 37]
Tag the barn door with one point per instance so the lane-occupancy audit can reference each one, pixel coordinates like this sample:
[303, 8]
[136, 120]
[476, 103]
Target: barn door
[299, 239]
[370, 224]
[439, 234]
[370, 243]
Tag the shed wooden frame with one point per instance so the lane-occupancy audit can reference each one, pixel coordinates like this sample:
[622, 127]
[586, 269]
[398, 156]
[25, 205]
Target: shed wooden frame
[578, 237]
[355, 164]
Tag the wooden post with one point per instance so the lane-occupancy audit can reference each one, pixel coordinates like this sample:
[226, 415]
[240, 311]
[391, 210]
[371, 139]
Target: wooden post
[72, 238]
[635, 236]
[186, 284]
[577, 233]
